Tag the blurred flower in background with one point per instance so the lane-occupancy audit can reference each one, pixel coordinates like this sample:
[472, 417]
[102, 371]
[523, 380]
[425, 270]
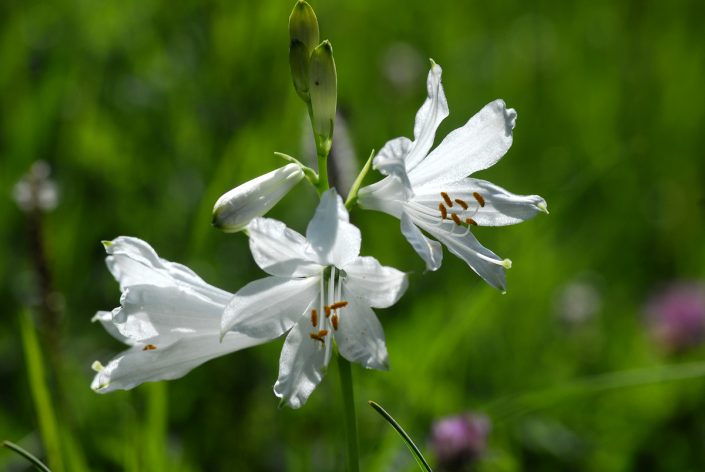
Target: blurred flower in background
[577, 302]
[36, 191]
[459, 441]
[676, 315]
[403, 66]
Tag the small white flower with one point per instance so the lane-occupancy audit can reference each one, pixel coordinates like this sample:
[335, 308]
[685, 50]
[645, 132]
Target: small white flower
[432, 191]
[236, 208]
[168, 316]
[319, 290]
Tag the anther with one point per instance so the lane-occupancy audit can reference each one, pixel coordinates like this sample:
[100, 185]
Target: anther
[461, 203]
[442, 209]
[470, 221]
[480, 199]
[322, 333]
[327, 310]
[447, 199]
[334, 322]
[149, 347]
[314, 317]
[337, 305]
[317, 337]
[456, 218]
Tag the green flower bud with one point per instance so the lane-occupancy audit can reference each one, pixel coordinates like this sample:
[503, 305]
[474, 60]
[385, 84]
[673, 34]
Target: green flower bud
[298, 61]
[303, 26]
[323, 88]
[303, 36]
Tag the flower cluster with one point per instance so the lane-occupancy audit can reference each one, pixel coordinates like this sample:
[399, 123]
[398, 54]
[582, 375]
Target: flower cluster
[320, 293]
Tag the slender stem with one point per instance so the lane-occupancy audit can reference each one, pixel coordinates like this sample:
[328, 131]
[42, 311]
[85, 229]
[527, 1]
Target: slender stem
[420, 460]
[27, 455]
[349, 416]
[321, 154]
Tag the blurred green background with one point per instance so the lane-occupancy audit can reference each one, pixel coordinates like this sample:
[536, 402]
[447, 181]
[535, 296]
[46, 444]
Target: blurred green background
[149, 110]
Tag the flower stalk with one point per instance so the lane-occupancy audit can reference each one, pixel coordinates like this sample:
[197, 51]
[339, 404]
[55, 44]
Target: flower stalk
[349, 416]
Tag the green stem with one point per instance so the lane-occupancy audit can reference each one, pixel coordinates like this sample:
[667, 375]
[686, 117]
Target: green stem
[321, 154]
[349, 417]
[27, 455]
[420, 460]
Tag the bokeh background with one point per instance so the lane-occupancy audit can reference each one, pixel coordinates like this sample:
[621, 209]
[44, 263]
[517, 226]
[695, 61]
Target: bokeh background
[146, 111]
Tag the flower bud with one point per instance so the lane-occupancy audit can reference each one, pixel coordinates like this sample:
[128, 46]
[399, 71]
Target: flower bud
[234, 210]
[322, 84]
[304, 37]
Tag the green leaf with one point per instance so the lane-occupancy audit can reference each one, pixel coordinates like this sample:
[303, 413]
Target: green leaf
[420, 460]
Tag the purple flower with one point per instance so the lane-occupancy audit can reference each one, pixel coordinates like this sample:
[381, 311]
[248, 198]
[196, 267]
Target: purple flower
[676, 315]
[458, 441]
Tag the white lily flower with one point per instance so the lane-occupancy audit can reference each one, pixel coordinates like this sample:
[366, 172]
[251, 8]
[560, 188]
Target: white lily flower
[168, 316]
[319, 290]
[431, 191]
[235, 209]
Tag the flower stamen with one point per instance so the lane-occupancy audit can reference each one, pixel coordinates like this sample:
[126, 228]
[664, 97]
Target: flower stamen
[334, 322]
[317, 337]
[444, 212]
[447, 199]
[470, 221]
[340, 304]
[462, 203]
[149, 347]
[456, 218]
[480, 199]
[314, 317]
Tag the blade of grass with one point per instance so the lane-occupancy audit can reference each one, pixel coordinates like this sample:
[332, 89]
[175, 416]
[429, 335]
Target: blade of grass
[420, 460]
[40, 393]
[27, 455]
[156, 426]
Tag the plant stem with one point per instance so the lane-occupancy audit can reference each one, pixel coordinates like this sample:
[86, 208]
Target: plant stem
[349, 417]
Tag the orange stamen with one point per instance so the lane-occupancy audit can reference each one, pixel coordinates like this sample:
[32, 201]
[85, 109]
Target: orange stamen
[456, 218]
[480, 199]
[461, 203]
[447, 199]
[149, 347]
[327, 310]
[317, 337]
[442, 209]
[470, 221]
[334, 321]
[337, 305]
[314, 317]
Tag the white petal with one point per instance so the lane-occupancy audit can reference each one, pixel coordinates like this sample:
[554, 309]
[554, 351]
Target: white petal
[301, 366]
[106, 319]
[379, 286]
[279, 250]
[134, 262]
[430, 115]
[500, 207]
[390, 162]
[360, 336]
[480, 259]
[269, 307]
[429, 250]
[387, 195]
[165, 362]
[148, 312]
[235, 209]
[484, 139]
[334, 240]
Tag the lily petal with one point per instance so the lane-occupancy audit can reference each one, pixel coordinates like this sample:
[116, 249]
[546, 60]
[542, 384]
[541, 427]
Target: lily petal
[360, 336]
[433, 111]
[301, 366]
[386, 195]
[429, 250]
[379, 286]
[484, 139]
[279, 250]
[333, 239]
[149, 311]
[390, 161]
[480, 259]
[106, 319]
[269, 307]
[499, 207]
[150, 363]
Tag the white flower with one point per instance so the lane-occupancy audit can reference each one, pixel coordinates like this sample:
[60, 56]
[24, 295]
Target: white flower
[319, 290]
[236, 208]
[168, 316]
[431, 190]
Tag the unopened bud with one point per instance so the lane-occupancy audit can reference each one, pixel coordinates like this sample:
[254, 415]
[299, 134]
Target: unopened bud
[234, 210]
[298, 61]
[303, 38]
[303, 26]
[323, 88]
